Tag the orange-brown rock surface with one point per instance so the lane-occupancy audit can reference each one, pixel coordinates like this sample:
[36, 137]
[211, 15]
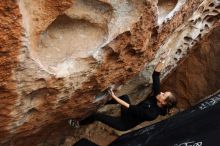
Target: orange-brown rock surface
[56, 55]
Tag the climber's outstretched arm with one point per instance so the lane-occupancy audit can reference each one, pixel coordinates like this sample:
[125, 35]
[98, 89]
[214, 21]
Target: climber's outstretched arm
[125, 104]
[156, 78]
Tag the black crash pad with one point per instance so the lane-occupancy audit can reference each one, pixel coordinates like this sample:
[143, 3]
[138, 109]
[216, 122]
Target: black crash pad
[84, 142]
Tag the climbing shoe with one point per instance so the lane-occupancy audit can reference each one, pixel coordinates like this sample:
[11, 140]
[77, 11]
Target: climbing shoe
[73, 123]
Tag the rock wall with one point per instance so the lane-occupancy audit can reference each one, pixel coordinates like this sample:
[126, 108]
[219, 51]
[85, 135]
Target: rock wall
[198, 75]
[10, 38]
[57, 55]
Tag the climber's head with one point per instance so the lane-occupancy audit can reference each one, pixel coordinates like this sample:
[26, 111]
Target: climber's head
[166, 99]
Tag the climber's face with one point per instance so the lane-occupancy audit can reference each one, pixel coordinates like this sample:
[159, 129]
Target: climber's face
[162, 97]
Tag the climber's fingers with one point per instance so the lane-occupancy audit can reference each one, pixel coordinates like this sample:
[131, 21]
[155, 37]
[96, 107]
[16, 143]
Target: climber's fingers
[111, 92]
[163, 56]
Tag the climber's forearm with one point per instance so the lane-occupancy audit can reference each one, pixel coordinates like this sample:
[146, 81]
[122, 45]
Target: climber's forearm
[123, 103]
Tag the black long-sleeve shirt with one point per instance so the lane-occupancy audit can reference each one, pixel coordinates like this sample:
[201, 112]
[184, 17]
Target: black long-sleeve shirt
[148, 109]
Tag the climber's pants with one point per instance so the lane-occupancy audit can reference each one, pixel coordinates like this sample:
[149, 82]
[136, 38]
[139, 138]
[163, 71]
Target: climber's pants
[120, 123]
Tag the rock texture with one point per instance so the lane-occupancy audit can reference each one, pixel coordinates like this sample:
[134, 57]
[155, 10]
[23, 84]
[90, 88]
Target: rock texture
[198, 75]
[11, 32]
[55, 55]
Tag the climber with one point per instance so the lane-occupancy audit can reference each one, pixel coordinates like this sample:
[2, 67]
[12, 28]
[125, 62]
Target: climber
[149, 109]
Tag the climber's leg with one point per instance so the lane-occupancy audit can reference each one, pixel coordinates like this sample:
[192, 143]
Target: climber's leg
[120, 123]
[114, 122]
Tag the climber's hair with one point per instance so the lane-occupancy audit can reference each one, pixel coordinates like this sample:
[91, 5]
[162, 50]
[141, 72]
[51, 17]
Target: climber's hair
[171, 101]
